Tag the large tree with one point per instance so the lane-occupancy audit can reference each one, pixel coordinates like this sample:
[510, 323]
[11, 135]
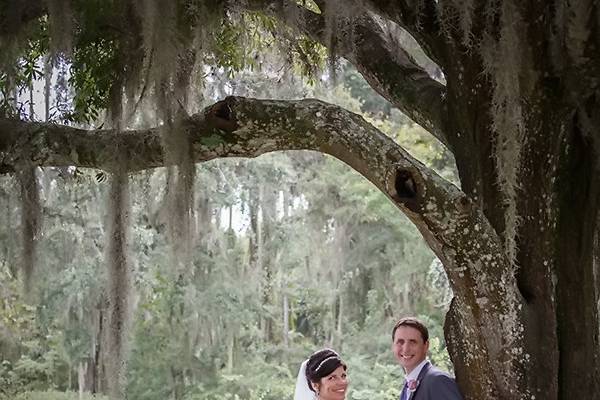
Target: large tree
[516, 102]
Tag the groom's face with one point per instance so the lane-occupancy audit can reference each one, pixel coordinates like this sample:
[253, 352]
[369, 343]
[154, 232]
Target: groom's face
[409, 347]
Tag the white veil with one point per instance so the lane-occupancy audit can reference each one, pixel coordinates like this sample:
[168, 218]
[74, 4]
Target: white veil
[302, 391]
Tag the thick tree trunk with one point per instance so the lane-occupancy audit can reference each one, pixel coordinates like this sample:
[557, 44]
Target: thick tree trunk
[555, 273]
[577, 292]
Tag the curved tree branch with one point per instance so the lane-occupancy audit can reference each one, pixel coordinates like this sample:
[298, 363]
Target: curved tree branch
[454, 227]
[388, 68]
[419, 18]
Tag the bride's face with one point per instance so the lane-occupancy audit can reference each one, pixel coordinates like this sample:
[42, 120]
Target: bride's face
[334, 385]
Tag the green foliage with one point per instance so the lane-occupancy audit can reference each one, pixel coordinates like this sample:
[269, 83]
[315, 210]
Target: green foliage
[212, 141]
[19, 69]
[439, 354]
[107, 49]
[371, 379]
[54, 395]
[228, 53]
[91, 77]
[200, 333]
[267, 381]
[310, 58]
[297, 230]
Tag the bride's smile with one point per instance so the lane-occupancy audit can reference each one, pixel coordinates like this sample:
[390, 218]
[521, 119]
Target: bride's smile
[322, 377]
[334, 385]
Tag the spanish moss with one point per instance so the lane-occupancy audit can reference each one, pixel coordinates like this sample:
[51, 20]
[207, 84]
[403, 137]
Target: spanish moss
[508, 123]
[30, 223]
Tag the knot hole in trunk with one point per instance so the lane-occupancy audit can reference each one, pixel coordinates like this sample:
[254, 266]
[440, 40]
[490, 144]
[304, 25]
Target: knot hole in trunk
[405, 185]
[407, 189]
[222, 115]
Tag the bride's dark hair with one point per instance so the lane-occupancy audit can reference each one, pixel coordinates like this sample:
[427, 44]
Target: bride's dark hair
[322, 363]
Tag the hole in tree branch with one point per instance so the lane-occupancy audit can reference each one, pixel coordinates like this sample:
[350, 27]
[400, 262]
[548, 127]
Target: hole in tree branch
[405, 185]
[222, 115]
[408, 191]
[223, 111]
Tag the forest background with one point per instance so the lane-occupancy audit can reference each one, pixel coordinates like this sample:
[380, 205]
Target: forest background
[292, 251]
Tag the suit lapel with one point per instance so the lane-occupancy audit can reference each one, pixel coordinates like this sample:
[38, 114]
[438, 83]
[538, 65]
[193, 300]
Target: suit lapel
[402, 392]
[419, 379]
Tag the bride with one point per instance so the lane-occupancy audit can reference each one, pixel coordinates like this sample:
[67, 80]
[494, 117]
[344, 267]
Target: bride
[322, 377]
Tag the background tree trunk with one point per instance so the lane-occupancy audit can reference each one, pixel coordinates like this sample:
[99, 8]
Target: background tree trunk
[268, 209]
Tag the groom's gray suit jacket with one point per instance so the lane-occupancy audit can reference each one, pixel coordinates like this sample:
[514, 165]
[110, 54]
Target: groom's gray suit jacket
[435, 384]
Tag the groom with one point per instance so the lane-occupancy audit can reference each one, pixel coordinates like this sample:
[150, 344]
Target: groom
[423, 380]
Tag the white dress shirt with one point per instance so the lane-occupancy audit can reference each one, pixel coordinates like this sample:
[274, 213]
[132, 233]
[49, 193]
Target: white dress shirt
[413, 375]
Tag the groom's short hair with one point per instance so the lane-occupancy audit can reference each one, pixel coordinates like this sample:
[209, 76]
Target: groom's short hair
[413, 323]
